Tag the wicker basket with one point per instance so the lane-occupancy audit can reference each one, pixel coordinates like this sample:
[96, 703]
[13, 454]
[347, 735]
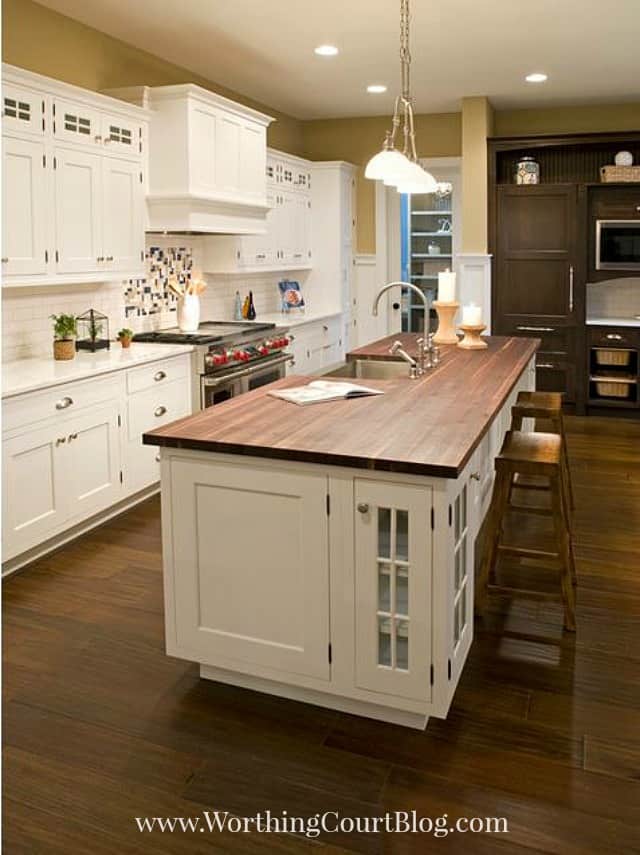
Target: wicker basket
[620, 174]
[613, 388]
[612, 357]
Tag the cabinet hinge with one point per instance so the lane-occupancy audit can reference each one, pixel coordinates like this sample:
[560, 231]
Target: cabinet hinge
[431, 675]
[142, 255]
[330, 655]
[55, 163]
[141, 178]
[121, 478]
[46, 256]
[448, 669]
[44, 159]
[450, 515]
[328, 504]
[433, 519]
[119, 420]
[57, 256]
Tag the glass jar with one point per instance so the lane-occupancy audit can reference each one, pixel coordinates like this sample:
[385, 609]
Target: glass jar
[527, 171]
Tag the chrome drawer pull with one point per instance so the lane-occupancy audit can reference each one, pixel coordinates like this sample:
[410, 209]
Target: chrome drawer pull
[64, 403]
[363, 508]
[159, 411]
[545, 365]
[613, 336]
[60, 440]
[571, 289]
[160, 375]
[109, 258]
[73, 436]
[536, 329]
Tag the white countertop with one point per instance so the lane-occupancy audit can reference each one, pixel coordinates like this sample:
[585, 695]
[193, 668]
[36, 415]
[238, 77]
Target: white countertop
[294, 319]
[613, 322]
[28, 375]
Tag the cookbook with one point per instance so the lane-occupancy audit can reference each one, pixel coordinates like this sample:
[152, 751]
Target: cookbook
[319, 391]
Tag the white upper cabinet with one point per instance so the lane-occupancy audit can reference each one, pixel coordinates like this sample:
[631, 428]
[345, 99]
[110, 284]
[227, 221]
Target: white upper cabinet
[78, 211]
[24, 206]
[285, 243]
[73, 189]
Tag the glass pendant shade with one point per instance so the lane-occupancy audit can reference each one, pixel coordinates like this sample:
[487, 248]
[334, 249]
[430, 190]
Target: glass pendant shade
[420, 181]
[384, 163]
[401, 171]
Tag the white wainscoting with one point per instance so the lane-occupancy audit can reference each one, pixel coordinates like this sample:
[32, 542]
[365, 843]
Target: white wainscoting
[474, 282]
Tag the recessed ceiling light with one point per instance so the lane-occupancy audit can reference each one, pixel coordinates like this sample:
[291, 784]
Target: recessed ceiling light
[536, 77]
[376, 88]
[326, 50]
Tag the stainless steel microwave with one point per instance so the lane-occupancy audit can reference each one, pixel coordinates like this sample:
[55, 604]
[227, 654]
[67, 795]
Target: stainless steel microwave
[617, 244]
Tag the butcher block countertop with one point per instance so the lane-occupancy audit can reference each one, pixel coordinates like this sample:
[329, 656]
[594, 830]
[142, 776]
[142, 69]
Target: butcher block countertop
[428, 426]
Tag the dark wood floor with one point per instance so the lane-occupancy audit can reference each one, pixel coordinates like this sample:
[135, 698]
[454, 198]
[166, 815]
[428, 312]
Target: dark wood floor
[100, 726]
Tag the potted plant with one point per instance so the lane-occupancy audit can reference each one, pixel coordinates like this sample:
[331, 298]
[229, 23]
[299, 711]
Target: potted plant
[125, 336]
[64, 330]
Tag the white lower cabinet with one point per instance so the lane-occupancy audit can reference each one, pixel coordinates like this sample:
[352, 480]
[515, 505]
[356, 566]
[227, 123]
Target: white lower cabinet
[253, 576]
[317, 346]
[393, 588]
[73, 451]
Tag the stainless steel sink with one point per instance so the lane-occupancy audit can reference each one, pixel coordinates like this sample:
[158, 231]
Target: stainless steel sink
[374, 369]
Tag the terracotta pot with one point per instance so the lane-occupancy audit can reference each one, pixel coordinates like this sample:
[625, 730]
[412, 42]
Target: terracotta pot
[125, 342]
[64, 349]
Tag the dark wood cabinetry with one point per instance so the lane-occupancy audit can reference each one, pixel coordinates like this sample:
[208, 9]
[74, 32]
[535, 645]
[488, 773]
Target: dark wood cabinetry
[542, 239]
[535, 273]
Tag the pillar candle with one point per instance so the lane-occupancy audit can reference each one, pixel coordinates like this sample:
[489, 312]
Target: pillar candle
[447, 286]
[471, 315]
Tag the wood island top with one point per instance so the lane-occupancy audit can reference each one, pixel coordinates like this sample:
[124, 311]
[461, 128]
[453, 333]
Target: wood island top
[428, 426]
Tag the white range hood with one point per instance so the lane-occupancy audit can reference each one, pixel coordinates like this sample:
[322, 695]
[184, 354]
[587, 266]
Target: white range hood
[207, 161]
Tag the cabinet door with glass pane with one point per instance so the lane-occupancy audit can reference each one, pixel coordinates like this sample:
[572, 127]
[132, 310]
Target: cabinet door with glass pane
[461, 584]
[393, 588]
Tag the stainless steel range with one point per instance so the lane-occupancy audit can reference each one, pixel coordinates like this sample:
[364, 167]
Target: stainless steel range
[231, 357]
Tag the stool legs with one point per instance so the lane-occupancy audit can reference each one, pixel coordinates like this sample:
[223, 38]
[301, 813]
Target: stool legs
[565, 551]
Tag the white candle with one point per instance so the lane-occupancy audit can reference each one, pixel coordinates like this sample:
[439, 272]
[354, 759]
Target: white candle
[471, 315]
[447, 286]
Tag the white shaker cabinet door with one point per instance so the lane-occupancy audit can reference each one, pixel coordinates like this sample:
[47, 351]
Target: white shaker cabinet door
[253, 158]
[250, 568]
[78, 179]
[393, 588]
[34, 488]
[123, 231]
[24, 207]
[92, 476]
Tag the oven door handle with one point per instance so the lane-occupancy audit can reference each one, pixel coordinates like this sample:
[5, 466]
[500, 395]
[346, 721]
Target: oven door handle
[267, 366]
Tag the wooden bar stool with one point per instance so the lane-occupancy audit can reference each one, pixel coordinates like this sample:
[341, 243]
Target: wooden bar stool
[547, 406]
[537, 454]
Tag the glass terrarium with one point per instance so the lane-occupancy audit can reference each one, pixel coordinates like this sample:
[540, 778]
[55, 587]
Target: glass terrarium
[93, 331]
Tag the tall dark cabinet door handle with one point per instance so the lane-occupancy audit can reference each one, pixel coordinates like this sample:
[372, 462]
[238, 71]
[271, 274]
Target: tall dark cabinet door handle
[571, 288]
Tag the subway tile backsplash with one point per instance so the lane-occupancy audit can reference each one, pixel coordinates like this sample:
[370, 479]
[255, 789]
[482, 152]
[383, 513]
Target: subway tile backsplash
[614, 298]
[140, 304]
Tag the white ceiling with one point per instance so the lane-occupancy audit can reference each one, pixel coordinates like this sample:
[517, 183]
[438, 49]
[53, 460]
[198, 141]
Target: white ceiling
[264, 49]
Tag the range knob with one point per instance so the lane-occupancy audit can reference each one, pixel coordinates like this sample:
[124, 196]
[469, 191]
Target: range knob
[263, 350]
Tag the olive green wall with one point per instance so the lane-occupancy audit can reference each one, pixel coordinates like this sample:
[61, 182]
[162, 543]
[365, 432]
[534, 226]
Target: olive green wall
[568, 120]
[41, 40]
[357, 140]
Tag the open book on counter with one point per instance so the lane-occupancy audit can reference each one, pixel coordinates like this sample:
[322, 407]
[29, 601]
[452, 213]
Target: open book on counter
[323, 390]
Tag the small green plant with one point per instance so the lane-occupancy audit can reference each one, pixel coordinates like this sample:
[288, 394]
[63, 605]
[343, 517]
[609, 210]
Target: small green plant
[125, 333]
[65, 327]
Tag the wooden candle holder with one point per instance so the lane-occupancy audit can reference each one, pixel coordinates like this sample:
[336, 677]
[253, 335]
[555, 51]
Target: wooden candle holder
[473, 336]
[446, 333]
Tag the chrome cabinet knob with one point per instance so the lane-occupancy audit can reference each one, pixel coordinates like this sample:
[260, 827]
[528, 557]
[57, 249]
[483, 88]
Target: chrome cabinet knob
[159, 375]
[363, 508]
[475, 476]
[63, 403]
[159, 411]
[158, 457]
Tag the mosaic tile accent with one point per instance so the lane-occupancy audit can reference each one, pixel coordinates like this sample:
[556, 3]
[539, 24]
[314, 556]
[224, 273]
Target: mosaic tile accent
[151, 296]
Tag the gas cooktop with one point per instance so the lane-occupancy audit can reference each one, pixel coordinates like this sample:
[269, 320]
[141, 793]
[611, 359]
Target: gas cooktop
[209, 332]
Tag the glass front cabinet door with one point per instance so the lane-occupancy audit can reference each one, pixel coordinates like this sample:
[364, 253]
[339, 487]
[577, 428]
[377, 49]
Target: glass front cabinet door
[393, 588]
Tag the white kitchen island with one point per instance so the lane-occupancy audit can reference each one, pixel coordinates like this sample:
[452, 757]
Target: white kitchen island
[325, 553]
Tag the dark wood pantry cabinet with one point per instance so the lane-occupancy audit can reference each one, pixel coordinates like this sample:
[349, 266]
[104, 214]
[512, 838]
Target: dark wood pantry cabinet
[541, 238]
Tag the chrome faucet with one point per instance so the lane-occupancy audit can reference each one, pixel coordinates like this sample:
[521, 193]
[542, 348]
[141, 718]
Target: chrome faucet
[428, 354]
[397, 347]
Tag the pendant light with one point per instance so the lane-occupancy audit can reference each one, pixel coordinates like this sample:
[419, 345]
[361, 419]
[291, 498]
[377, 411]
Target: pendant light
[401, 168]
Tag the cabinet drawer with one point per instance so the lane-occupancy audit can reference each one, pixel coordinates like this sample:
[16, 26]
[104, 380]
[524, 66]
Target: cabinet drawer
[554, 374]
[614, 336]
[58, 402]
[554, 338]
[157, 374]
[157, 406]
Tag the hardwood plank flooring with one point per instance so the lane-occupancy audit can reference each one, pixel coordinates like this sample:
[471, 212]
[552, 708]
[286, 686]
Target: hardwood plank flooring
[100, 726]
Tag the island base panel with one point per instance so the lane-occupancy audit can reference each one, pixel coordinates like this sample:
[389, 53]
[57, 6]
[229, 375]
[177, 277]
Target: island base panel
[311, 696]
